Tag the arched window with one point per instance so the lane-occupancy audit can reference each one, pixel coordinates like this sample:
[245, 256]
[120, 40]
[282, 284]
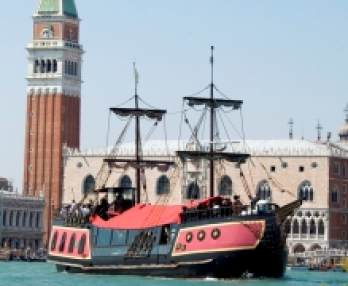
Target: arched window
[18, 214]
[225, 186]
[65, 67]
[37, 223]
[163, 185]
[304, 228]
[43, 66]
[192, 191]
[36, 66]
[287, 226]
[55, 66]
[49, 66]
[305, 191]
[74, 68]
[24, 218]
[88, 184]
[125, 182]
[312, 227]
[295, 227]
[4, 218]
[299, 248]
[264, 191]
[11, 219]
[321, 227]
[31, 219]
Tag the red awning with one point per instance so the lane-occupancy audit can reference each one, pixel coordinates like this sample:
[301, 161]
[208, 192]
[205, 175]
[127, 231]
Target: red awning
[142, 216]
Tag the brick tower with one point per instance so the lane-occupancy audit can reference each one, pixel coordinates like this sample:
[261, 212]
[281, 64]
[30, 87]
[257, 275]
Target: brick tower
[53, 100]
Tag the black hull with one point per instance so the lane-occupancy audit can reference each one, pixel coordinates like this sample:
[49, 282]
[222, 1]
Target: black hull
[259, 263]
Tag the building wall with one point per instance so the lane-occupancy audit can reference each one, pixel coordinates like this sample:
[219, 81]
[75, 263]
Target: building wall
[338, 200]
[21, 221]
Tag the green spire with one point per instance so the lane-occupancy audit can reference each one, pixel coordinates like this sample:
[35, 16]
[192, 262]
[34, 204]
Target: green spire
[57, 7]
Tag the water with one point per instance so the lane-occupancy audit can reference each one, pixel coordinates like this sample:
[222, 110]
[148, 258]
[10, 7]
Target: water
[44, 274]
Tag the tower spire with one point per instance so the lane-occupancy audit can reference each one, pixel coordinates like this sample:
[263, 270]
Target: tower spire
[291, 128]
[346, 112]
[319, 128]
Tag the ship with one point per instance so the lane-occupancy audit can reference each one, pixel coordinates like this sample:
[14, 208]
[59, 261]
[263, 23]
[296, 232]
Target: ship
[206, 237]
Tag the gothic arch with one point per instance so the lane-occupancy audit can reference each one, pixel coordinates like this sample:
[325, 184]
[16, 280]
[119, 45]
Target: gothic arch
[315, 247]
[125, 182]
[55, 66]
[264, 191]
[287, 226]
[31, 219]
[295, 227]
[304, 227]
[42, 66]
[36, 66]
[299, 248]
[312, 227]
[163, 185]
[4, 218]
[225, 186]
[18, 215]
[48, 66]
[321, 227]
[305, 191]
[88, 185]
[192, 191]
[11, 220]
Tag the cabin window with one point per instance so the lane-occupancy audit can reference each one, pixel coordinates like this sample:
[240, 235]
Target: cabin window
[54, 241]
[163, 185]
[131, 236]
[125, 182]
[225, 186]
[82, 244]
[72, 243]
[88, 184]
[119, 237]
[104, 238]
[62, 242]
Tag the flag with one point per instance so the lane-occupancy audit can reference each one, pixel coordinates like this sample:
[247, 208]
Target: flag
[136, 75]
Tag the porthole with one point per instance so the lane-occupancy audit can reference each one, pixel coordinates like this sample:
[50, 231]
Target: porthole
[216, 233]
[189, 237]
[54, 241]
[201, 235]
[62, 242]
[82, 244]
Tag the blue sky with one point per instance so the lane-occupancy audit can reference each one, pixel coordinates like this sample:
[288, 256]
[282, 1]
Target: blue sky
[283, 58]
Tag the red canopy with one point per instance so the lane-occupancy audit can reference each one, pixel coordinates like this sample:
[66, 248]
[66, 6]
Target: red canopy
[142, 216]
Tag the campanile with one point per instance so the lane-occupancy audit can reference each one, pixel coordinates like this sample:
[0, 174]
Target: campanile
[53, 100]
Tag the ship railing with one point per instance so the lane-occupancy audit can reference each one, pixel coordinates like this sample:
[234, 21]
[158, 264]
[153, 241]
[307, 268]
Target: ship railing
[74, 219]
[203, 214]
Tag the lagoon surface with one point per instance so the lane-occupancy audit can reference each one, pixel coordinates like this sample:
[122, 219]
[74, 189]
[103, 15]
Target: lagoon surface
[44, 274]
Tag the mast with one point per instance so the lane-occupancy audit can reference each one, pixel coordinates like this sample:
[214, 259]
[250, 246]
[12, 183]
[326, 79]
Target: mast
[212, 113]
[137, 135]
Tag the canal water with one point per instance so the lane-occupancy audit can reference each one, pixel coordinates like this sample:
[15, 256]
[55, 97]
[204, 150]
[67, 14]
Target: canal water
[44, 274]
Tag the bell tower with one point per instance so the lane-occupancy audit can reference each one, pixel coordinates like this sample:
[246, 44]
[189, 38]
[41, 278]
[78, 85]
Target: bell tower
[53, 100]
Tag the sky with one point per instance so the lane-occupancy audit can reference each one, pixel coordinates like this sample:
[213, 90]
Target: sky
[285, 59]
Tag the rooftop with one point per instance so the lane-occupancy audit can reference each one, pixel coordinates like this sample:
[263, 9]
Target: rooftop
[254, 147]
[57, 8]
